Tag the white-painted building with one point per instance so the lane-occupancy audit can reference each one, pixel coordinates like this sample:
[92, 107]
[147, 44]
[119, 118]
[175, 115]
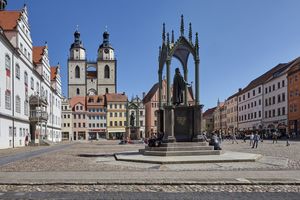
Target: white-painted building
[255, 99]
[29, 96]
[250, 106]
[276, 101]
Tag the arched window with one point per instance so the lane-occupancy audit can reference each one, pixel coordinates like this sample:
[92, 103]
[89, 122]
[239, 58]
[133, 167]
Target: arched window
[77, 72]
[77, 91]
[106, 71]
[106, 90]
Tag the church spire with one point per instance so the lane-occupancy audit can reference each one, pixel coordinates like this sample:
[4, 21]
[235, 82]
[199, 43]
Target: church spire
[3, 4]
[77, 42]
[182, 26]
[106, 38]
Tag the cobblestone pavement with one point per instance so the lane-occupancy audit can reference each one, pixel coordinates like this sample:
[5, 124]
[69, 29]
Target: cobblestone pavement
[276, 157]
[150, 188]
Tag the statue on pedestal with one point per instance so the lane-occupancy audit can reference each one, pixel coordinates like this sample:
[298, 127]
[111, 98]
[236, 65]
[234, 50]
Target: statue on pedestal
[132, 118]
[179, 85]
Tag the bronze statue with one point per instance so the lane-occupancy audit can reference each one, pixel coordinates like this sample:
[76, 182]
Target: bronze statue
[179, 85]
[132, 118]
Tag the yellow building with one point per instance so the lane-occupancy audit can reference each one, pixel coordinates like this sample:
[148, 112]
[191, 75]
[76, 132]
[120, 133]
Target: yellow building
[116, 115]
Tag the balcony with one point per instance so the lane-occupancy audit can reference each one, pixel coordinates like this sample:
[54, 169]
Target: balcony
[37, 101]
[38, 116]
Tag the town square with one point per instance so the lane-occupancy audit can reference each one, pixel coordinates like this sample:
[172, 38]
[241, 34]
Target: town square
[149, 100]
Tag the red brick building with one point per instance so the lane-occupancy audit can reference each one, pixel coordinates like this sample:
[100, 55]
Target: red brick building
[294, 99]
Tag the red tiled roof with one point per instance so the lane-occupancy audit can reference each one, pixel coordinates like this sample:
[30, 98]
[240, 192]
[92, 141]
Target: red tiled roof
[209, 111]
[263, 78]
[37, 53]
[76, 100]
[91, 74]
[150, 94]
[9, 19]
[116, 97]
[53, 73]
[96, 100]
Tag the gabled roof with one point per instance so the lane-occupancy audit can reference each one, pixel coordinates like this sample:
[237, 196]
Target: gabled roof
[95, 100]
[76, 100]
[150, 94]
[234, 95]
[37, 54]
[260, 80]
[209, 111]
[116, 97]
[53, 72]
[9, 19]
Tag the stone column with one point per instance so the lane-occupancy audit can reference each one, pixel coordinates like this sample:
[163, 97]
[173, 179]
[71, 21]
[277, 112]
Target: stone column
[197, 122]
[168, 62]
[197, 84]
[186, 87]
[160, 89]
[169, 124]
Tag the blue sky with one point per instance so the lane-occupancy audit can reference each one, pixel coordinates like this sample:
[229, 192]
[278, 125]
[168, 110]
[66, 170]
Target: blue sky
[239, 39]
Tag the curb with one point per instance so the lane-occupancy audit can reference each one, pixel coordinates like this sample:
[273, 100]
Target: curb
[294, 183]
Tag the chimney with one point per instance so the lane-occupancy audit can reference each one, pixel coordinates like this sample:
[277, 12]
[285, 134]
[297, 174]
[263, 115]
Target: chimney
[144, 94]
[240, 89]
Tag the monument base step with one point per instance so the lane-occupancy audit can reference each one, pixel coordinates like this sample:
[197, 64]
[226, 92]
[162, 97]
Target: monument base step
[182, 153]
[179, 148]
[184, 144]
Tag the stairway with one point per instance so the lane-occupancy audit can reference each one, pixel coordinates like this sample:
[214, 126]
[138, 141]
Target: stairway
[181, 149]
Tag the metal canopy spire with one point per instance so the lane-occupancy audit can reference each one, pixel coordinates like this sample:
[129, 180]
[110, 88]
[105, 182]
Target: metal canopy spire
[172, 39]
[182, 26]
[164, 33]
[168, 40]
[190, 32]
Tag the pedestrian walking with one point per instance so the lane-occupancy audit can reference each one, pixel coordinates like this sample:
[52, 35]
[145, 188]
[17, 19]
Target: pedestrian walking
[288, 136]
[220, 137]
[256, 138]
[234, 138]
[26, 140]
[275, 136]
[251, 138]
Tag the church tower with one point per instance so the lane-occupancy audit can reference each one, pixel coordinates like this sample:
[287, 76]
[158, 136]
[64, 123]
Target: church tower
[106, 67]
[77, 68]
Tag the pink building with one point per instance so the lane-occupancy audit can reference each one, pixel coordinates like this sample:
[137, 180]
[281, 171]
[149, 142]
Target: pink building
[78, 105]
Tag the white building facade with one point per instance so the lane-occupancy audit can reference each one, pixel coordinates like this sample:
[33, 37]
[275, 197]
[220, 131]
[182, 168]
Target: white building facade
[276, 101]
[21, 80]
[250, 107]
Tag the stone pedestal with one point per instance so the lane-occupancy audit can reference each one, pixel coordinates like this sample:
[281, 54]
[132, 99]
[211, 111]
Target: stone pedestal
[133, 133]
[182, 123]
